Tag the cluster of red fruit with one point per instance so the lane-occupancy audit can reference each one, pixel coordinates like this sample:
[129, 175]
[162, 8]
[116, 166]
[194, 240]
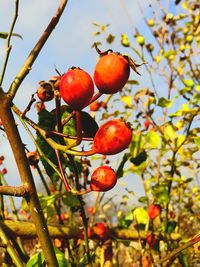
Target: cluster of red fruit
[76, 88]
[4, 170]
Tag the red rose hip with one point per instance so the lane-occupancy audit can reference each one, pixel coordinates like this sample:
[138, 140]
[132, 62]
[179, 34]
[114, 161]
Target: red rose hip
[112, 137]
[153, 211]
[111, 73]
[103, 179]
[76, 88]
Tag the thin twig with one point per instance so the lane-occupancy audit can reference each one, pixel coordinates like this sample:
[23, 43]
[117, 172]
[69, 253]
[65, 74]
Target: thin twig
[35, 51]
[8, 46]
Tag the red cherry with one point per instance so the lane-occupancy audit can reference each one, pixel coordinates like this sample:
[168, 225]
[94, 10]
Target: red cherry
[103, 179]
[111, 73]
[153, 211]
[76, 88]
[112, 137]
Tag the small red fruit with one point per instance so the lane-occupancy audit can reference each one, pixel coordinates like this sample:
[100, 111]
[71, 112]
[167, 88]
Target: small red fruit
[45, 92]
[103, 179]
[81, 233]
[76, 88]
[147, 124]
[112, 137]
[94, 106]
[146, 261]
[100, 229]
[151, 240]
[91, 210]
[153, 211]
[111, 73]
[4, 171]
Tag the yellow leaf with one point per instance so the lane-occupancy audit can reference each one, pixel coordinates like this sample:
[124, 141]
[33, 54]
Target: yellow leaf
[127, 100]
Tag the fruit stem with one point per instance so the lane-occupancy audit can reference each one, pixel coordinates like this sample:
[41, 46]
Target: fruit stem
[83, 192]
[68, 117]
[95, 97]
[50, 133]
[63, 177]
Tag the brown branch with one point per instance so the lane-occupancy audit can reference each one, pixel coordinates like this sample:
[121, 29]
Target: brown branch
[15, 191]
[28, 230]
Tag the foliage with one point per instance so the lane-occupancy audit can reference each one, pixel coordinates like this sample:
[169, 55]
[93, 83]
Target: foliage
[162, 108]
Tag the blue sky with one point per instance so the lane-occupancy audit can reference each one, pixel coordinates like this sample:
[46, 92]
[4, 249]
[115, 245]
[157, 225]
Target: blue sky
[69, 45]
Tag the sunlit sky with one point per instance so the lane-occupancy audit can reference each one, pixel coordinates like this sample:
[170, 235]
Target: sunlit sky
[69, 45]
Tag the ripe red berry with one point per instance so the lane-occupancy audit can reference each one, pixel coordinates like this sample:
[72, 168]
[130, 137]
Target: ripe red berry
[147, 124]
[4, 171]
[76, 88]
[111, 73]
[103, 179]
[112, 137]
[153, 211]
[151, 240]
[91, 210]
[100, 229]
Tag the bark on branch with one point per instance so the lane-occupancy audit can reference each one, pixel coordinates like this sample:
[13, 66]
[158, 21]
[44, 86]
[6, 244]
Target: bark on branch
[28, 230]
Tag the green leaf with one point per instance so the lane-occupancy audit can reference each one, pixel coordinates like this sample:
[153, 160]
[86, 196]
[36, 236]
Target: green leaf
[197, 141]
[37, 260]
[126, 221]
[161, 194]
[110, 39]
[171, 225]
[133, 82]
[152, 140]
[4, 35]
[141, 215]
[143, 199]
[188, 83]
[183, 260]
[120, 170]
[164, 102]
[169, 132]
[89, 125]
[83, 261]
[62, 262]
[139, 159]
[70, 200]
